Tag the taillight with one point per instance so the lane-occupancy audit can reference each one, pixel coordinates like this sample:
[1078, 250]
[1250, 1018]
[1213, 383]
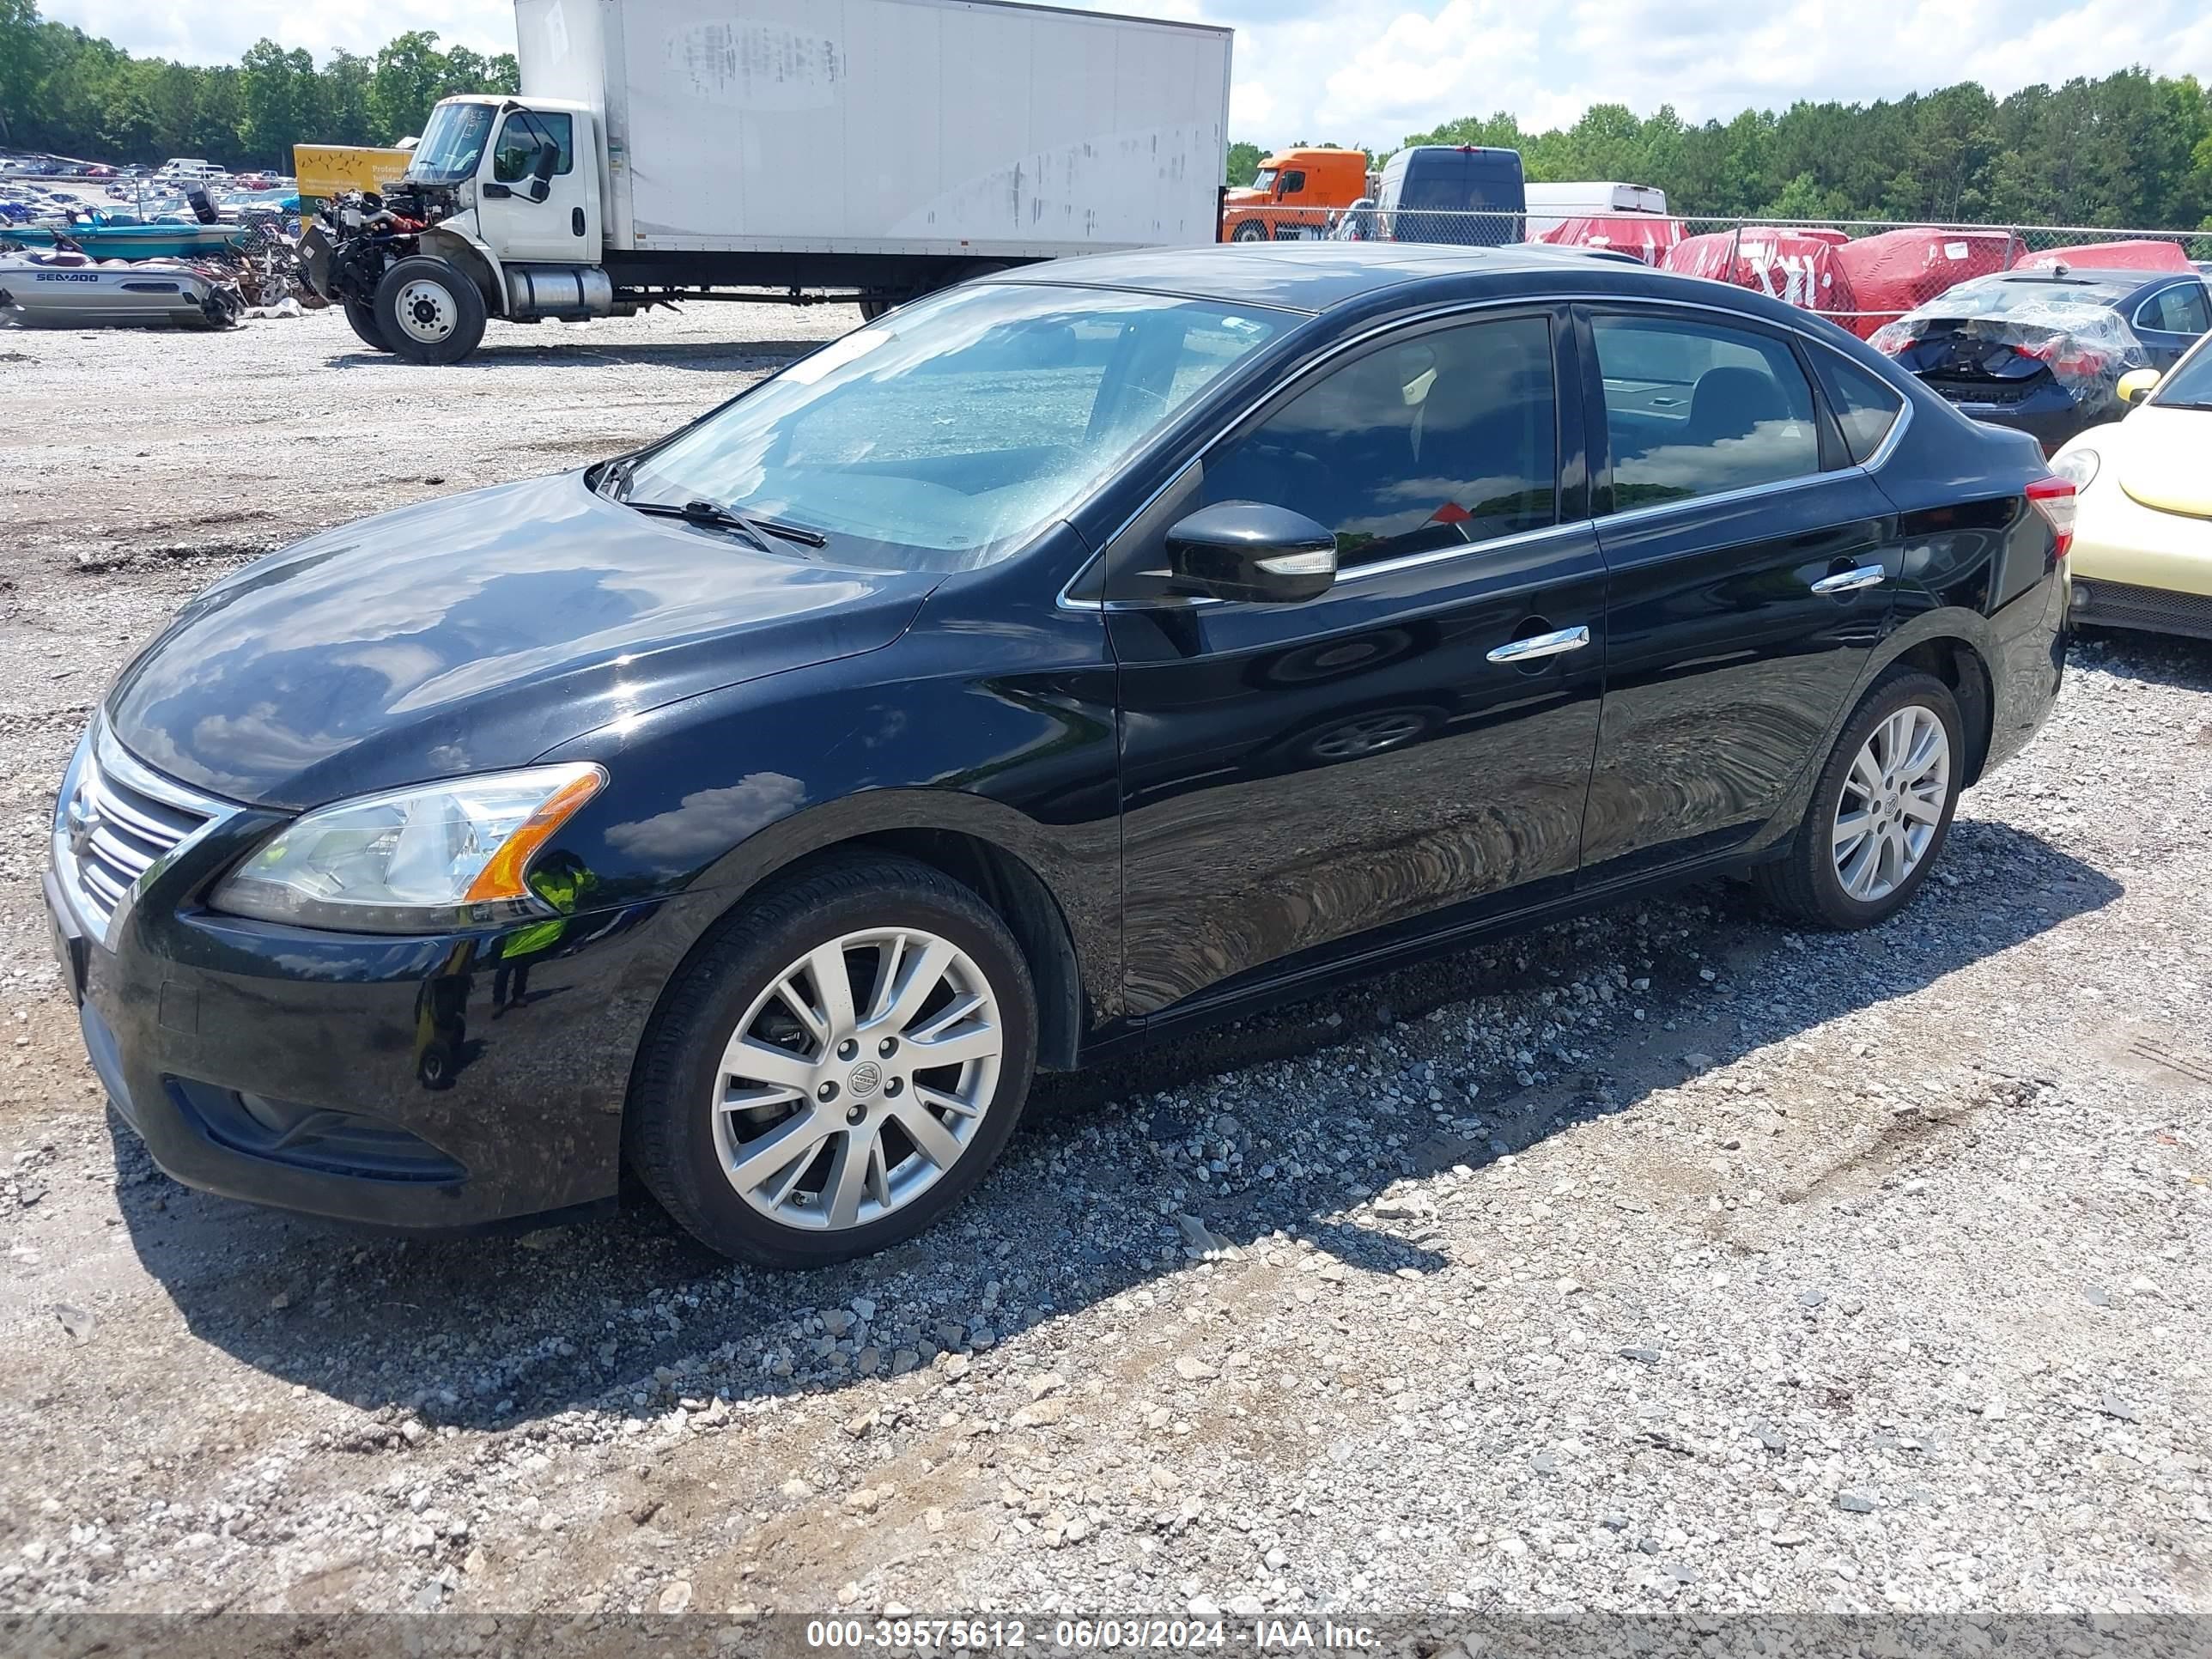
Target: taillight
[2053, 497]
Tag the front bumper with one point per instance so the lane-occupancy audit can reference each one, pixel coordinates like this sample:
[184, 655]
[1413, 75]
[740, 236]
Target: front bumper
[2102, 604]
[407, 1083]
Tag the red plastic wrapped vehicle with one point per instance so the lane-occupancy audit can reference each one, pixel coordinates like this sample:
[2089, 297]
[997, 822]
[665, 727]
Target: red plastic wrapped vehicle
[2141, 255]
[1899, 271]
[1797, 265]
[1649, 236]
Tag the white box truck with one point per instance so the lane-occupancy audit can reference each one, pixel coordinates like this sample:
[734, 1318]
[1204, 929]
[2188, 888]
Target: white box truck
[862, 150]
[1551, 206]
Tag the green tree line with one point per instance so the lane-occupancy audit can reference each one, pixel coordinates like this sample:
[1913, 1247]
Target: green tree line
[61, 90]
[2130, 149]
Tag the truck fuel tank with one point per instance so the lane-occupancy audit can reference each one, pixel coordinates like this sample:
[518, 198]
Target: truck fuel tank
[563, 291]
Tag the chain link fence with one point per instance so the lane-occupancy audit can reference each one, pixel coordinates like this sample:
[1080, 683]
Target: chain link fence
[1858, 273]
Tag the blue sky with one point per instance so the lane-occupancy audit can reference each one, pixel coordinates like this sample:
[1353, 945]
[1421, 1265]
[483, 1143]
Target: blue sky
[1370, 71]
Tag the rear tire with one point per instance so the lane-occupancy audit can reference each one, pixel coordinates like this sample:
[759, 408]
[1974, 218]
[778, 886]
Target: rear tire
[925, 961]
[360, 317]
[1880, 810]
[429, 311]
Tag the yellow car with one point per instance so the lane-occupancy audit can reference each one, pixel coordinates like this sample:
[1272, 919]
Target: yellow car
[2143, 538]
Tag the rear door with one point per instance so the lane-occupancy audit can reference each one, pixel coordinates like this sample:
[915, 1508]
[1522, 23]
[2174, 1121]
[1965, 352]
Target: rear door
[1749, 559]
[1417, 739]
[2171, 319]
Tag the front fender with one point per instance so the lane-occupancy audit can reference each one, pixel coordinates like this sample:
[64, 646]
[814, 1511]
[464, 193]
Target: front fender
[714, 795]
[455, 241]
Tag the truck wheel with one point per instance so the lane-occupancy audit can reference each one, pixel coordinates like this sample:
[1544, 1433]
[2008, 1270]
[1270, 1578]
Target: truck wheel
[362, 316]
[1250, 231]
[872, 309]
[429, 311]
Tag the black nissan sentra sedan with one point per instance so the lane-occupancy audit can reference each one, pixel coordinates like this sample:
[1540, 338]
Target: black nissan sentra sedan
[1069, 655]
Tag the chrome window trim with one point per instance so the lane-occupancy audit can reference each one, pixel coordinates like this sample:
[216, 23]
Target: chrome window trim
[1441, 312]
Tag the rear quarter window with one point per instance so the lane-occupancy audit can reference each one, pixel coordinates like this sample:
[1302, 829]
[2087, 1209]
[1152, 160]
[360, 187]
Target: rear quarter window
[1867, 406]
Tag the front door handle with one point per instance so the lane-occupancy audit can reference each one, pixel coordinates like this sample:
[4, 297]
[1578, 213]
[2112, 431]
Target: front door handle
[1849, 582]
[1541, 645]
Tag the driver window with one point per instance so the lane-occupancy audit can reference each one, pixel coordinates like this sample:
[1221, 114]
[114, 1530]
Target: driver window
[525, 134]
[1293, 182]
[1441, 440]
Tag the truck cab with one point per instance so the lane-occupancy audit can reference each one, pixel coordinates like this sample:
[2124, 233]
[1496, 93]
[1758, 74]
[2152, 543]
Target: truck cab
[1294, 194]
[499, 213]
[528, 174]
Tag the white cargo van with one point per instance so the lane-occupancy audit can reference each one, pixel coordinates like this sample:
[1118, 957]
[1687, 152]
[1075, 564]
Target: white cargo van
[1552, 205]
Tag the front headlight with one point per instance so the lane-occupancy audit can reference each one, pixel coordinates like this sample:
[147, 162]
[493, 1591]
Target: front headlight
[2078, 466]
[426, 859]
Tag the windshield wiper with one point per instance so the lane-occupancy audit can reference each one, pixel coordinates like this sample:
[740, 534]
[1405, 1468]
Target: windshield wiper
[714, 515]
[614, 484]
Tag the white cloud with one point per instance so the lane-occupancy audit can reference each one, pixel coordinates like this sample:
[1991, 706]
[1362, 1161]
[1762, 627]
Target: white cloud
[1370, 71]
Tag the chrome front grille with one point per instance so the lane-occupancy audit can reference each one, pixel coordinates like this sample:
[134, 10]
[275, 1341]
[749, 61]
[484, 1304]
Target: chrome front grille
[117, 820]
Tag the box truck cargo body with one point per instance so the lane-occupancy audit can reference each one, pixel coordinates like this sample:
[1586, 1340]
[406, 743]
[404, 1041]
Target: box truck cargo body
[862, 149]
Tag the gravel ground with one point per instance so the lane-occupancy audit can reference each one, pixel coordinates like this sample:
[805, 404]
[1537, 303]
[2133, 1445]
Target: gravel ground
[1665, 1260]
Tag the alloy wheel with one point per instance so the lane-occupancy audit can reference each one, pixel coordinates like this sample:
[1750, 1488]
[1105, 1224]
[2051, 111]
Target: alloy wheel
[857, 1079]
[1891, 803]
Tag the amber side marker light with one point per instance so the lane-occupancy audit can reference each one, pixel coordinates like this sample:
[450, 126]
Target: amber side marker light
[501, 879]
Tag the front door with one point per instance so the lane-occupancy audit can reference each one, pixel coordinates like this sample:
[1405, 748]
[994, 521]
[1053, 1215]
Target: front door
[1751, 564]
[564, 227]
[1419, 737]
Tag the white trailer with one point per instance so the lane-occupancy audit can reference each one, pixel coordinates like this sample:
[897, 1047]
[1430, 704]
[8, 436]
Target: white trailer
[1551, 205]
[867, 150]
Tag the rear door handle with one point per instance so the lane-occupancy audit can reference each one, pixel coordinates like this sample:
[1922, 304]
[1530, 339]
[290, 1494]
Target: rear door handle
[1849, 582]
[1541, 645]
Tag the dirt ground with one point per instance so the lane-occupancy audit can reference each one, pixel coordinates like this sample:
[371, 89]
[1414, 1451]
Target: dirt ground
[1668, 1259]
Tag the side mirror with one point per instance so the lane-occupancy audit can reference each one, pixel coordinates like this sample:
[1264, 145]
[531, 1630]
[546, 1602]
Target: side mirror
[2136, 384]
[1247, 551]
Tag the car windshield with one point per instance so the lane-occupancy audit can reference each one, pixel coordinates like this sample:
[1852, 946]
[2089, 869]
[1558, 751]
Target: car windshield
[2188, 384]
[451, 144]
[945, 436]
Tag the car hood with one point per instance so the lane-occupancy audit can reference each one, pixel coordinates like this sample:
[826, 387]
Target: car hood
[473, 632]
[2161, 461]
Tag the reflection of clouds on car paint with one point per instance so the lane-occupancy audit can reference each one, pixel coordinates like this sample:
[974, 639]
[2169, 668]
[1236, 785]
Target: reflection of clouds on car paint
[710, 822]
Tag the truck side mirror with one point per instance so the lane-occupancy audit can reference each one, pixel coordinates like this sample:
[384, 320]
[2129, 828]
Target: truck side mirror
[541, 171]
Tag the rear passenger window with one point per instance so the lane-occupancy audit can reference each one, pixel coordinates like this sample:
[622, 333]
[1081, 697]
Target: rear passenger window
[2179, 310]
[1866, 406]
[1693, 408]
[1428, 443]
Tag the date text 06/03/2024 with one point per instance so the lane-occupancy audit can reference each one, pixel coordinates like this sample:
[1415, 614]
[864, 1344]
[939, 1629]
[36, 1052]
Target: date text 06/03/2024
[1093, 1635]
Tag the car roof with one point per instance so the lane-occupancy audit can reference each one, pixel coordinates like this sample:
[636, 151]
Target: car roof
[2104, 285]
[1315, 277]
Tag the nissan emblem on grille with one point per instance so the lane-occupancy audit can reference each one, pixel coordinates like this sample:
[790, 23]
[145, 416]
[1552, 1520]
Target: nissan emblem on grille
[83, 815]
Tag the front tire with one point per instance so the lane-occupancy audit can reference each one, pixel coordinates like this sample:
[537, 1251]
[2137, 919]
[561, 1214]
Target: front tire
[360, 317]
[1250, 231]
[429, 311]
[1880, 810]
[839, 1064]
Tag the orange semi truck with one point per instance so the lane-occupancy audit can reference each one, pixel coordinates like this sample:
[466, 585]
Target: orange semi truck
[1293, 195]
